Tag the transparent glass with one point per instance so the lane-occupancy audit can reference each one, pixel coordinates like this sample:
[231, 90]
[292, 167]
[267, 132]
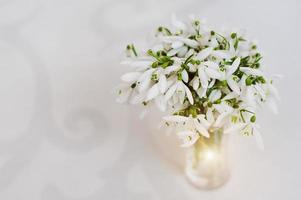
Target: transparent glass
[206, 161]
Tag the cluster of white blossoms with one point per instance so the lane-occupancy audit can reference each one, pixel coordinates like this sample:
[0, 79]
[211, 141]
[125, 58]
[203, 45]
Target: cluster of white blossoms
[205, 79]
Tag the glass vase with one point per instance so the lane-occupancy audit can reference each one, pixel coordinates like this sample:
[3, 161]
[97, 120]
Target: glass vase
[206, 161]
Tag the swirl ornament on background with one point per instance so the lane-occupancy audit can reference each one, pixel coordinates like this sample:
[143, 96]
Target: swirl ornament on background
[90, 149]
[20, 150]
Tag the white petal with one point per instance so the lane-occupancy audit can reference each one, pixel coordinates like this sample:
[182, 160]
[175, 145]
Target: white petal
[233, 85]
[189, 95]
[142, 63]
[231, 69]
[174, 100]
[258, 138]
[203, 77]
[220, 119]
[250, 96]
[203, 121]
[215, 95]
[171, 81]
[204, 53]
[234, 128]
[223, 107]
[182, 51]
[220, 54]
[213, 43]
[181, 97]
[232, 49]
[130, 77]
[147, 74]
[185, 76]
[212, 73]
[144, 80]
[137, 98]
[236, 63]
[188, 137]
[242, 81]
[211, 64]
[201, 92]
[190, 43]
[144, 85]
[231, 95]
[195, 83]
[201, 129]
[177, 44]
[162, 83]
[124, 96]
[181, 91]
[161, 104]
[274, 91]
[251, 71]
[260, 90]
[153, 92]
[209, 116]
[175, 118]
[170, 92]
[172, 68]
[173, 51]
[190, 52]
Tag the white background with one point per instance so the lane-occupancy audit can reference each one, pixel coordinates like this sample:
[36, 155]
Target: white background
[63, 137]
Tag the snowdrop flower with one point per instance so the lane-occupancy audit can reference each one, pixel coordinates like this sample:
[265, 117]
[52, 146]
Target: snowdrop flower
[129, 94]
[210, 121]
[204, 79]
[253, 129]
[231, 79]
[208, 70]
[180, 91]
[188, 137]
[192, 128]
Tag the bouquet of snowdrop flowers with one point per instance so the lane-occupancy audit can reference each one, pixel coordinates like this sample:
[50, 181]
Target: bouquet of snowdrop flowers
[203, 79]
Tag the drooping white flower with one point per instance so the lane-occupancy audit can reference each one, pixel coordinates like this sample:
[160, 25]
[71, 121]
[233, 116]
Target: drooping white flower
[191, 128]
[145, 80]
[124, 93]
[207, 70]
[188, 137]
[180, 91]
[253, 129]
[153, 92]
[234, 128]
[231, 79]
